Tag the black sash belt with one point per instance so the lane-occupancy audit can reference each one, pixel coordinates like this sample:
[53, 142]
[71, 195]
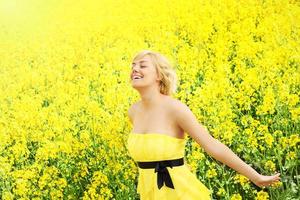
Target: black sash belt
[162, 172]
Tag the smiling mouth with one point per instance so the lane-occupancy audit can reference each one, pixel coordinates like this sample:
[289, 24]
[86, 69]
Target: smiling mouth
[137, 78]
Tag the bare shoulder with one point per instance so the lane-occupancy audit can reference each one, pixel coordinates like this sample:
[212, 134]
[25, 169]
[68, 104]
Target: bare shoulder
[131, 111]
[188, 122]
[177, 109]
[177, 106]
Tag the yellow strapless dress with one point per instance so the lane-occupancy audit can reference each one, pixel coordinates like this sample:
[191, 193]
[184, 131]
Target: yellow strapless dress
[155, 147]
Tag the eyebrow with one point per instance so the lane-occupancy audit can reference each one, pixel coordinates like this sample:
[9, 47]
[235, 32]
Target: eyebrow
[140, 62]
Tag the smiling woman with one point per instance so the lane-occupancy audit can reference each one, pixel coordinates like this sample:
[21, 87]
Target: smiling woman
[147, 60]
[157, 140]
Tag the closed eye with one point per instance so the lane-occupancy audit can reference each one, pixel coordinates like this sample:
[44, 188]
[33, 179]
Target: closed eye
[141, 66]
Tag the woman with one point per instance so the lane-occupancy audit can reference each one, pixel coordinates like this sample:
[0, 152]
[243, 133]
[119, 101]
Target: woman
[157, 140]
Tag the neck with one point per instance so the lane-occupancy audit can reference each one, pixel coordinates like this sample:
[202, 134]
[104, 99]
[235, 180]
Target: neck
[150, 98]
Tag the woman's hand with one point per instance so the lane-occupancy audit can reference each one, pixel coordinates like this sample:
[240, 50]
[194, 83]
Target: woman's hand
[263, 181]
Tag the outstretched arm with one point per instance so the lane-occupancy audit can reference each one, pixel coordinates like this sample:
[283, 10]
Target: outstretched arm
[188, 122]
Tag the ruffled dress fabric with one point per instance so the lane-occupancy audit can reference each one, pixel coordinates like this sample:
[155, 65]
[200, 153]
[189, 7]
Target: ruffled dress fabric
[155, 147]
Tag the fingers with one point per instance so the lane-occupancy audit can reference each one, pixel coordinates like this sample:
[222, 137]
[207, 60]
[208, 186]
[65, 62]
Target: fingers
[266, 185]
[269, 180]
[278, 174]
[272, 180]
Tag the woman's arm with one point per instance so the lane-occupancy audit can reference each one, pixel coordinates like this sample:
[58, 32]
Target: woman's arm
[223, 154]
[188, 122]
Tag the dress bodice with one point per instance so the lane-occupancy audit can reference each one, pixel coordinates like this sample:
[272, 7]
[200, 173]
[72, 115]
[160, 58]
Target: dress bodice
[155, 146]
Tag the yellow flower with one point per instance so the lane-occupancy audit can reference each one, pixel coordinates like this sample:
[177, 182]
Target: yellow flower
[193, 166]
[240, 148]
[243, 180]
[21, 187]
[211, 173]
[291, 155]
[84, 170]
[197, 155]
[236, 197]
[269, 165]
[261, 195]
[261, 147]
[293, 99]
[284, 142]
[105, 191]
[277, 184]
[7, 196]
[244, 120]
[56, 194]
[99, 182]
[56, 102]
[268, 105]
[295, 112]
[221, 192]
[277, 133]
[269, 139]
[255, 123]
[252, 140]
[249, 131]
[293, 140]
[61, 183]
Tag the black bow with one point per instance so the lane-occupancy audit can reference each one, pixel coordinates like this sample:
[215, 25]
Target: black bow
[163, 175]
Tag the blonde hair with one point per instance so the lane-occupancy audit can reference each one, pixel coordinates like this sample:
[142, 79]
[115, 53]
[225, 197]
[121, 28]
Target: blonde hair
[168, 82]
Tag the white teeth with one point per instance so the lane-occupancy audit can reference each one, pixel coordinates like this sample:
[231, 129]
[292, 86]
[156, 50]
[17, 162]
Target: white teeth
[137, 77]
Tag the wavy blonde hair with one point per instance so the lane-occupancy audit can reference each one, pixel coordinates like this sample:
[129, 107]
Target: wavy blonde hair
[168, 82]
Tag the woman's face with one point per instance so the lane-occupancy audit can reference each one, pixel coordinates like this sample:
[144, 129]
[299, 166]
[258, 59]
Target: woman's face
[143, 72]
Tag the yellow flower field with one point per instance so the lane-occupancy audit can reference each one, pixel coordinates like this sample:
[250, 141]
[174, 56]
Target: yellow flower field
[65, 92]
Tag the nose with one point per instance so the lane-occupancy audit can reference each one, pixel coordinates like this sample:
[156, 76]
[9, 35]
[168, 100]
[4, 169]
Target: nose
[135, 68]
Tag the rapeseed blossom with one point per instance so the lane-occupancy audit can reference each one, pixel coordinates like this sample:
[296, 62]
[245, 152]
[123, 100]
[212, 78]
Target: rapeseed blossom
[65, 92]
